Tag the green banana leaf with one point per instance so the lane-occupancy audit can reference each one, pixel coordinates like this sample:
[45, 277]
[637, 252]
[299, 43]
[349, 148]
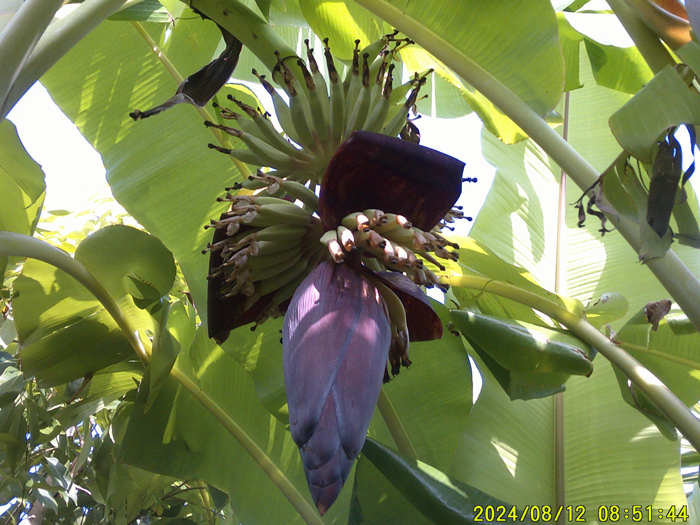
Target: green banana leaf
[529, 361]
[64, 331]
[433, 419]
[146, 11]
[178, 438]
[539, 83]
[155, 189]
[507, 449]
[343, 23]
[664, 102]
[672, 351]
[504, 448]
[22, 187]
[619, 68]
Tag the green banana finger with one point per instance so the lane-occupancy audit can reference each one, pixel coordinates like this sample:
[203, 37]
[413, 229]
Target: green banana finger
[296, 190]
[284, 114]
[353, 81]
[330, 239]
[271, 214]
[258, 273]
[337, 100]
[265, 153]
[270, 285]
[358, 112]
[356, 221]
[268, 132]
[318, 102]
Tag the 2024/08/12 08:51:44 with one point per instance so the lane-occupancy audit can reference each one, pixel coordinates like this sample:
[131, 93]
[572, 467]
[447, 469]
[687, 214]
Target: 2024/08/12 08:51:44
[577, 514]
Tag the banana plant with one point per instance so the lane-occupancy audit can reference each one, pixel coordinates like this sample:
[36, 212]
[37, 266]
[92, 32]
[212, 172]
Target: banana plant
[216, 409]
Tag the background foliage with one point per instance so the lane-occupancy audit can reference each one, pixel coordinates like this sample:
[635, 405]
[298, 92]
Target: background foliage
[88, 434]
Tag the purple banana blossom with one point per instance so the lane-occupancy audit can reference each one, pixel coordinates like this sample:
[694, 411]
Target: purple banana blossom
[336, 336]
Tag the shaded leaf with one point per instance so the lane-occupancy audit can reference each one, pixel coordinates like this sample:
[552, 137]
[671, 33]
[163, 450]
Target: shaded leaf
[523, 347]
[619, 68]
[634, 397]
[146, 11]
[507, 447]
[342, 23]
[527, 29]
[157, 192]
[461, 97]
[475, 258]
[685, 213]
[259, 352]
[432, 492]
[615, 64]
[376, 500]
[448, 97]
[177, 438]
[163, 354]
[11, 383]
[64, 331]
[663, 186]
[570, 41]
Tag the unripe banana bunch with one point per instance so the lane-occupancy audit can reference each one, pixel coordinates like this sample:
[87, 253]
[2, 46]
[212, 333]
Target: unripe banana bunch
[269, 244]
[321, 112]
[390, 242]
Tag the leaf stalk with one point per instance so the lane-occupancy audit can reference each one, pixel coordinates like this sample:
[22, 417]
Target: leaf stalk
[672, 407]
[396, 428]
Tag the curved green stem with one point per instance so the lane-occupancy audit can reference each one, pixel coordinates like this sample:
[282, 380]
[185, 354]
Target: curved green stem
[20, 36]
[18, 245]
[672, 407]
[58, 39]
[271, 469]
[656, 353]
[671, 272]
[396, 428]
